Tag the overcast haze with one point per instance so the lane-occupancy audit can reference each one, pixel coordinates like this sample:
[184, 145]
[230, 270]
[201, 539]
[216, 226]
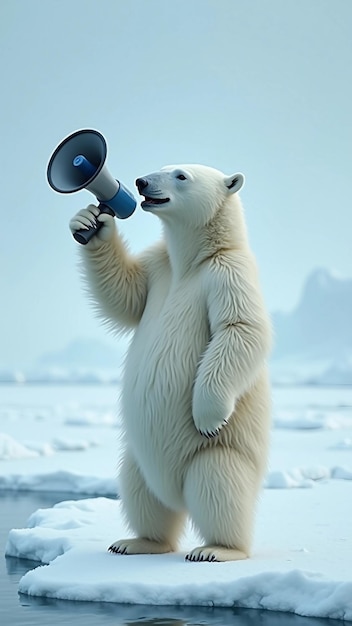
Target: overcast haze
[262, 87]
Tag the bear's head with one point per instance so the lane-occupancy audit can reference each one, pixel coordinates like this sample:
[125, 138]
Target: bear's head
[190, 193]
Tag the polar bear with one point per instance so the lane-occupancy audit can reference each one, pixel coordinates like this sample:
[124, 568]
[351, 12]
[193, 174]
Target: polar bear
[196, 395]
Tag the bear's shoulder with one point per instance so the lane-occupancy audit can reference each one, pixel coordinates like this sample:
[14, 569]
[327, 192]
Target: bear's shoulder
[233, 262]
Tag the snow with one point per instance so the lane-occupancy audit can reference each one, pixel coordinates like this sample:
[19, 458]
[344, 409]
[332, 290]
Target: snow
[344, 444]
[61, 481]
[342, 472]
[68, 440]
[12, 449]
[296, 477]
[74, 428]
[289, 571]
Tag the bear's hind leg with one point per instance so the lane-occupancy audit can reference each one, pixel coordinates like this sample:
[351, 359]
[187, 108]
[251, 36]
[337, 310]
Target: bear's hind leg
[157, 527]
[220, 492]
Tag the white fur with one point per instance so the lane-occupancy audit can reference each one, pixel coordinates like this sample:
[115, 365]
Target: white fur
[196, 401]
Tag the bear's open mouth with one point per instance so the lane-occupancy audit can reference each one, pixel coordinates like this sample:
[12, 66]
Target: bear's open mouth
[150, 200]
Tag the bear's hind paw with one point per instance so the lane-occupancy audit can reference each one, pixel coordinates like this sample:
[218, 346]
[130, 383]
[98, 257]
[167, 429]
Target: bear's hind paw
[215, 553]
[139, 546]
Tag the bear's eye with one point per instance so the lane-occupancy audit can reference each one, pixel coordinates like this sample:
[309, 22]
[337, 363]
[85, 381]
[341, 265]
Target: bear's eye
[181, 177]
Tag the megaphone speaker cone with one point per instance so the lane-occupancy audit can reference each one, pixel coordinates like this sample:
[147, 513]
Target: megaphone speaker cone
[62, 175]
[78, 163]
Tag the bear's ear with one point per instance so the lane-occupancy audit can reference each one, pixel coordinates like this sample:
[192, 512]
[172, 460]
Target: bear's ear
[234, 182]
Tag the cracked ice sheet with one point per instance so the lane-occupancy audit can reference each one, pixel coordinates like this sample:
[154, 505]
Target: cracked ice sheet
[301, 560]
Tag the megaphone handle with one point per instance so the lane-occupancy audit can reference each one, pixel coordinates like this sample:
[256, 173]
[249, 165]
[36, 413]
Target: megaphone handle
[85, 235]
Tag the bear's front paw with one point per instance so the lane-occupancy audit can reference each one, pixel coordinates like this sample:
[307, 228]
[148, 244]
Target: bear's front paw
[210, 412]
[84, 219]
[91, 216]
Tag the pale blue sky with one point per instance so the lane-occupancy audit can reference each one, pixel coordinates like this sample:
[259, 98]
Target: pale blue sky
[260, 86]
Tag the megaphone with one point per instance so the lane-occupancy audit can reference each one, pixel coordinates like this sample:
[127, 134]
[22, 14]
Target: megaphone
[78, 163]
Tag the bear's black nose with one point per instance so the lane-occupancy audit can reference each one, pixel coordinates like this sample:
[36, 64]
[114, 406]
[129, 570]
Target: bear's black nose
[141, 183]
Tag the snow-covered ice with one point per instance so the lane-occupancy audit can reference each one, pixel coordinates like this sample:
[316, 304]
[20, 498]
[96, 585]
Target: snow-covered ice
[302, 553]
[290, 570]
[61, 481]
[12, 449]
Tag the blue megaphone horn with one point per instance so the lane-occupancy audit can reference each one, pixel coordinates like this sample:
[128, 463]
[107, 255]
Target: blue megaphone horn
[77, 163]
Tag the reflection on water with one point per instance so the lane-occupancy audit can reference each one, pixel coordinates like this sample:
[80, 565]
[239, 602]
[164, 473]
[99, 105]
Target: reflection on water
[19, 567]
[22, 610]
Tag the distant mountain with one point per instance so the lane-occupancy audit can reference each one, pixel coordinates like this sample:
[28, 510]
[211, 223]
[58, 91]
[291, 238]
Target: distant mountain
[313, 344]
[83, 353]
[84, 360]
[315, 339]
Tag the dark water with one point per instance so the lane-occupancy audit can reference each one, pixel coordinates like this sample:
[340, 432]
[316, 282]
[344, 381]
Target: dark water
[21, 610]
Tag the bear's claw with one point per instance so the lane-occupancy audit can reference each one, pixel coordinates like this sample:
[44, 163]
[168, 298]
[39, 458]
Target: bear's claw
[209, 434]
[192, 557]
[117, 550]
[213, 553]
[139, 545]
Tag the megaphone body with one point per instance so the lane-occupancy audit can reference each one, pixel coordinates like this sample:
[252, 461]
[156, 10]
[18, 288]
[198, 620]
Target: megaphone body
[78, 163]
